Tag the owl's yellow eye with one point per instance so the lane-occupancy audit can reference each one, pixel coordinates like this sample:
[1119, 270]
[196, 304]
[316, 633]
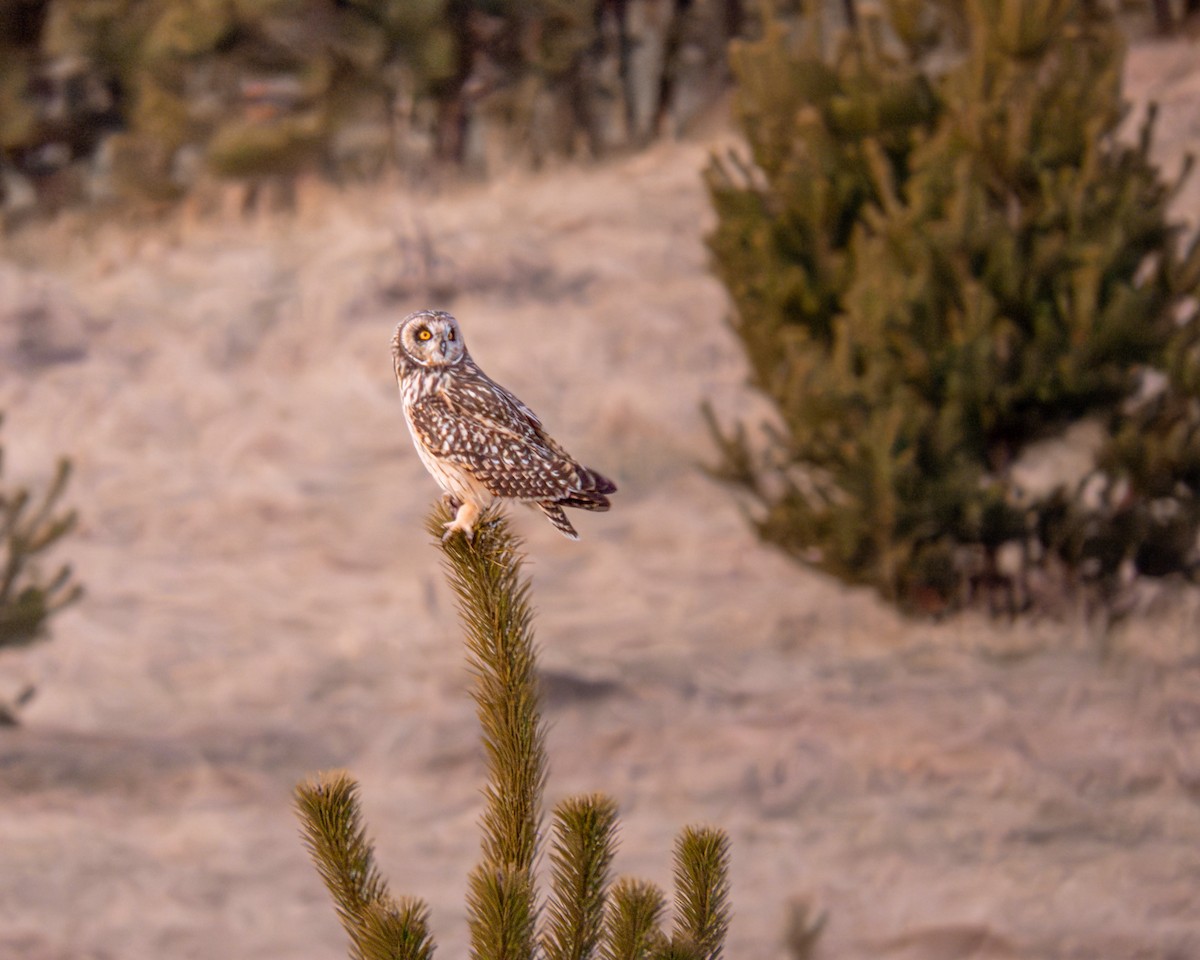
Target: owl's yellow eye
[451, 336]
[424, 335]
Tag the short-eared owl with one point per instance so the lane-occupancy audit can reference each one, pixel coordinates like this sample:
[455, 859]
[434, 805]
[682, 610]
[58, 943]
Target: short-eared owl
[479, 441]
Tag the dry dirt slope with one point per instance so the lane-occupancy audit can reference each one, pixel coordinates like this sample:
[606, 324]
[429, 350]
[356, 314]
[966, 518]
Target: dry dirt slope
[263, 604]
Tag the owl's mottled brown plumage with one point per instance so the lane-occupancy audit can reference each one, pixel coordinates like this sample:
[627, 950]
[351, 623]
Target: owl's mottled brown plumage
[479, 441]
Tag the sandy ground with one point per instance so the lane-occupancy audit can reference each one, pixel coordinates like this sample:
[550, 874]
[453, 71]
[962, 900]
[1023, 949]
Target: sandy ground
[263, 603]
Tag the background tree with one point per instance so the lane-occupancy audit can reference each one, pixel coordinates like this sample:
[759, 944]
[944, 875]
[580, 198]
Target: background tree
[148, 98]
[940, 252]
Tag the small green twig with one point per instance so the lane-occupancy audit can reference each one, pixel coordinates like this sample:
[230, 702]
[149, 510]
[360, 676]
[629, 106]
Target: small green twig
[379, 927]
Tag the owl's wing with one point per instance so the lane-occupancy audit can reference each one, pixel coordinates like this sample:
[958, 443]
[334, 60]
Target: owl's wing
[479, 397]
[506, 452]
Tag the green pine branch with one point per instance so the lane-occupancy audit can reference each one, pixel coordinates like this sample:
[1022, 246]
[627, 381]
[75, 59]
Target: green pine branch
[702, 889]
[379, 927]
[493, 601]
[632, 923]
[501, 912]
[29, 526]
[583, 917]
[677, 948]
[582, 851]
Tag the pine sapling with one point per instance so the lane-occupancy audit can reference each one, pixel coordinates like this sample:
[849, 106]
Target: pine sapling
[583, 917]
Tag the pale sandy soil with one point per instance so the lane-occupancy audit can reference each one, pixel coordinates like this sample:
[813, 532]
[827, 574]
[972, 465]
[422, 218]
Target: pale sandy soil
[263, 604]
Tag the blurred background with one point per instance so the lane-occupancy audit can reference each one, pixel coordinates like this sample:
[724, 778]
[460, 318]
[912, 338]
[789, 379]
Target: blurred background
[965, 730]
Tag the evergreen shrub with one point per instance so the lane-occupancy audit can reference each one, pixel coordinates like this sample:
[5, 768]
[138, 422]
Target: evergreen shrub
[942, 250]
[30, 524]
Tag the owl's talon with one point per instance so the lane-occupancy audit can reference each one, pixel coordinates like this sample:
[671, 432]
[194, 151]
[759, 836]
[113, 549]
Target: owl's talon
[452, 528]
[463, 522]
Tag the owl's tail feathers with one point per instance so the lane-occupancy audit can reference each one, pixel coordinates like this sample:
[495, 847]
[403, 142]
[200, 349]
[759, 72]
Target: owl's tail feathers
[589, 492]
[585, 501]
[596, 482]
[554, 513]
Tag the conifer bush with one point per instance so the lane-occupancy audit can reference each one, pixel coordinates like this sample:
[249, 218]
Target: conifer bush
[584, 915]
[940, 251]
[30, 524]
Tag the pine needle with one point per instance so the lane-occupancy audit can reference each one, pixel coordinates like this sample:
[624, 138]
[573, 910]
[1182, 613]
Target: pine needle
[500, 913]
[580, 857]
[396, 931]
[331, 825]
[702, 889]
[678, 948]
[632, 922]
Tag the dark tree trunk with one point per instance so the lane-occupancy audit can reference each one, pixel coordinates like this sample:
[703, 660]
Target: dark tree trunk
[1162, 15]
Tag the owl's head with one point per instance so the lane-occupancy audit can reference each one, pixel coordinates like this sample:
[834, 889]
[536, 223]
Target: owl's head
[429, 338]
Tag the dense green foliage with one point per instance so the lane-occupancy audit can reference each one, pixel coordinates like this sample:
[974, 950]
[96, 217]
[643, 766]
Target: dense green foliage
[148, 97]
[941, 252]
[583, 916]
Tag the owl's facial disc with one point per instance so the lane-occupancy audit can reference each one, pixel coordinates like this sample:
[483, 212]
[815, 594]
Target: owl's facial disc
[433, 339]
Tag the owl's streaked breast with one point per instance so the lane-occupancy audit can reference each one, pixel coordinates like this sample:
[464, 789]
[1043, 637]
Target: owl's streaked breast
[454, 478]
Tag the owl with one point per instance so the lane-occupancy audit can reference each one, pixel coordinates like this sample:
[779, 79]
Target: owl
[478, 440]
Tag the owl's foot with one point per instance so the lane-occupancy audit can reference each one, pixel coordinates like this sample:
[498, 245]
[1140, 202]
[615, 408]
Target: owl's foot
[451, 501]
[463, 522]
